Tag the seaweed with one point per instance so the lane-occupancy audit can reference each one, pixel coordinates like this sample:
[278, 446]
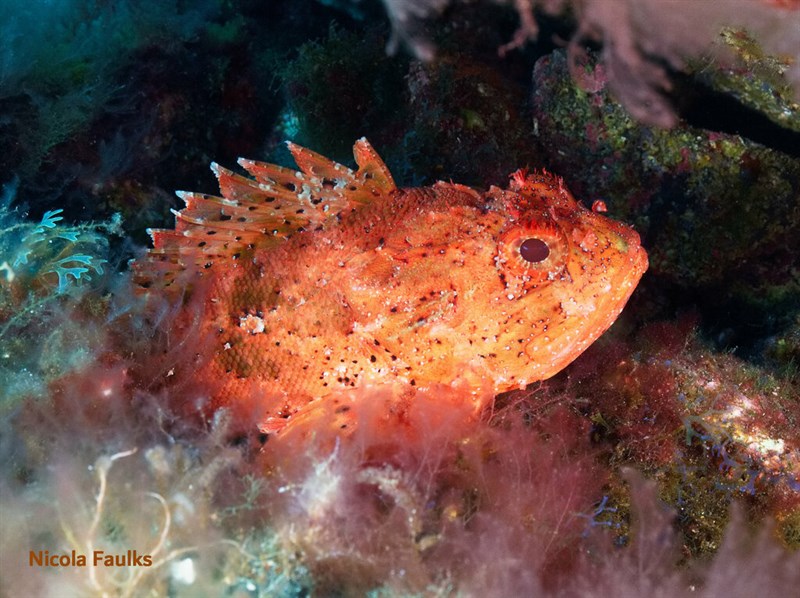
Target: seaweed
[47, 270]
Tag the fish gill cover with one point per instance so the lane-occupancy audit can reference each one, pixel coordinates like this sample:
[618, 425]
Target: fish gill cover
[665, 458]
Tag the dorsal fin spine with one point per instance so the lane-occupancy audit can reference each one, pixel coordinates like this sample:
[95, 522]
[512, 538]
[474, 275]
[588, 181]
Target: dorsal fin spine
[263, 210]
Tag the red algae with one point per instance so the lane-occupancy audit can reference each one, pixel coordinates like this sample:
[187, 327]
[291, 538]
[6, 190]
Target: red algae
[430, 490]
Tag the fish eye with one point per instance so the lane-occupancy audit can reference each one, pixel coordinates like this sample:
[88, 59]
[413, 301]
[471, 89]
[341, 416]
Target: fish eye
[531, 252]
[534, 250]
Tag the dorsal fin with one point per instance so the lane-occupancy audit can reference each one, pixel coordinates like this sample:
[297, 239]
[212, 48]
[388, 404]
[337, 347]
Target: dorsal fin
[259, 212]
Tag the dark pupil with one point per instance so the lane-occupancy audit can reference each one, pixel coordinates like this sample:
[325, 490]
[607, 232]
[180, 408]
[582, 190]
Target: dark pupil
[534, 250]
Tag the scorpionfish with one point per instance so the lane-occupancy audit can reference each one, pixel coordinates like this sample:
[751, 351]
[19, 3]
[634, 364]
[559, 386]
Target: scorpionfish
[330, 279]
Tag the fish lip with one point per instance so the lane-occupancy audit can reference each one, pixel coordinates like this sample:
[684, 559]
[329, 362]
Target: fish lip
[640, 257]
[641, 260]
[634, 246]
[629, 235]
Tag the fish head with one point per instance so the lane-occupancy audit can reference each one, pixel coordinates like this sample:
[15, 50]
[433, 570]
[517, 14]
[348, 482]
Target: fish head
[561, 275]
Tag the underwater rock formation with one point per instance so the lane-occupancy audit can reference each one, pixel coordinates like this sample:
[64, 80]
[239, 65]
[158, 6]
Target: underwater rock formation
[710, 427]
[719, 212]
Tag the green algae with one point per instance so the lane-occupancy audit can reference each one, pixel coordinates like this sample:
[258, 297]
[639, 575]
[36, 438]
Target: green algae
[756, 79]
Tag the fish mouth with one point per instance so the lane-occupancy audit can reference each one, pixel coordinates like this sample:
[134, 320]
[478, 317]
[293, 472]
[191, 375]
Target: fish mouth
[632, 244]
[640, 260]
[637, 253]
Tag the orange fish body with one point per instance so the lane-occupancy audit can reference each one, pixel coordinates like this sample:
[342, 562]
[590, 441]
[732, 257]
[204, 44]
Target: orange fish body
[329, 279]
